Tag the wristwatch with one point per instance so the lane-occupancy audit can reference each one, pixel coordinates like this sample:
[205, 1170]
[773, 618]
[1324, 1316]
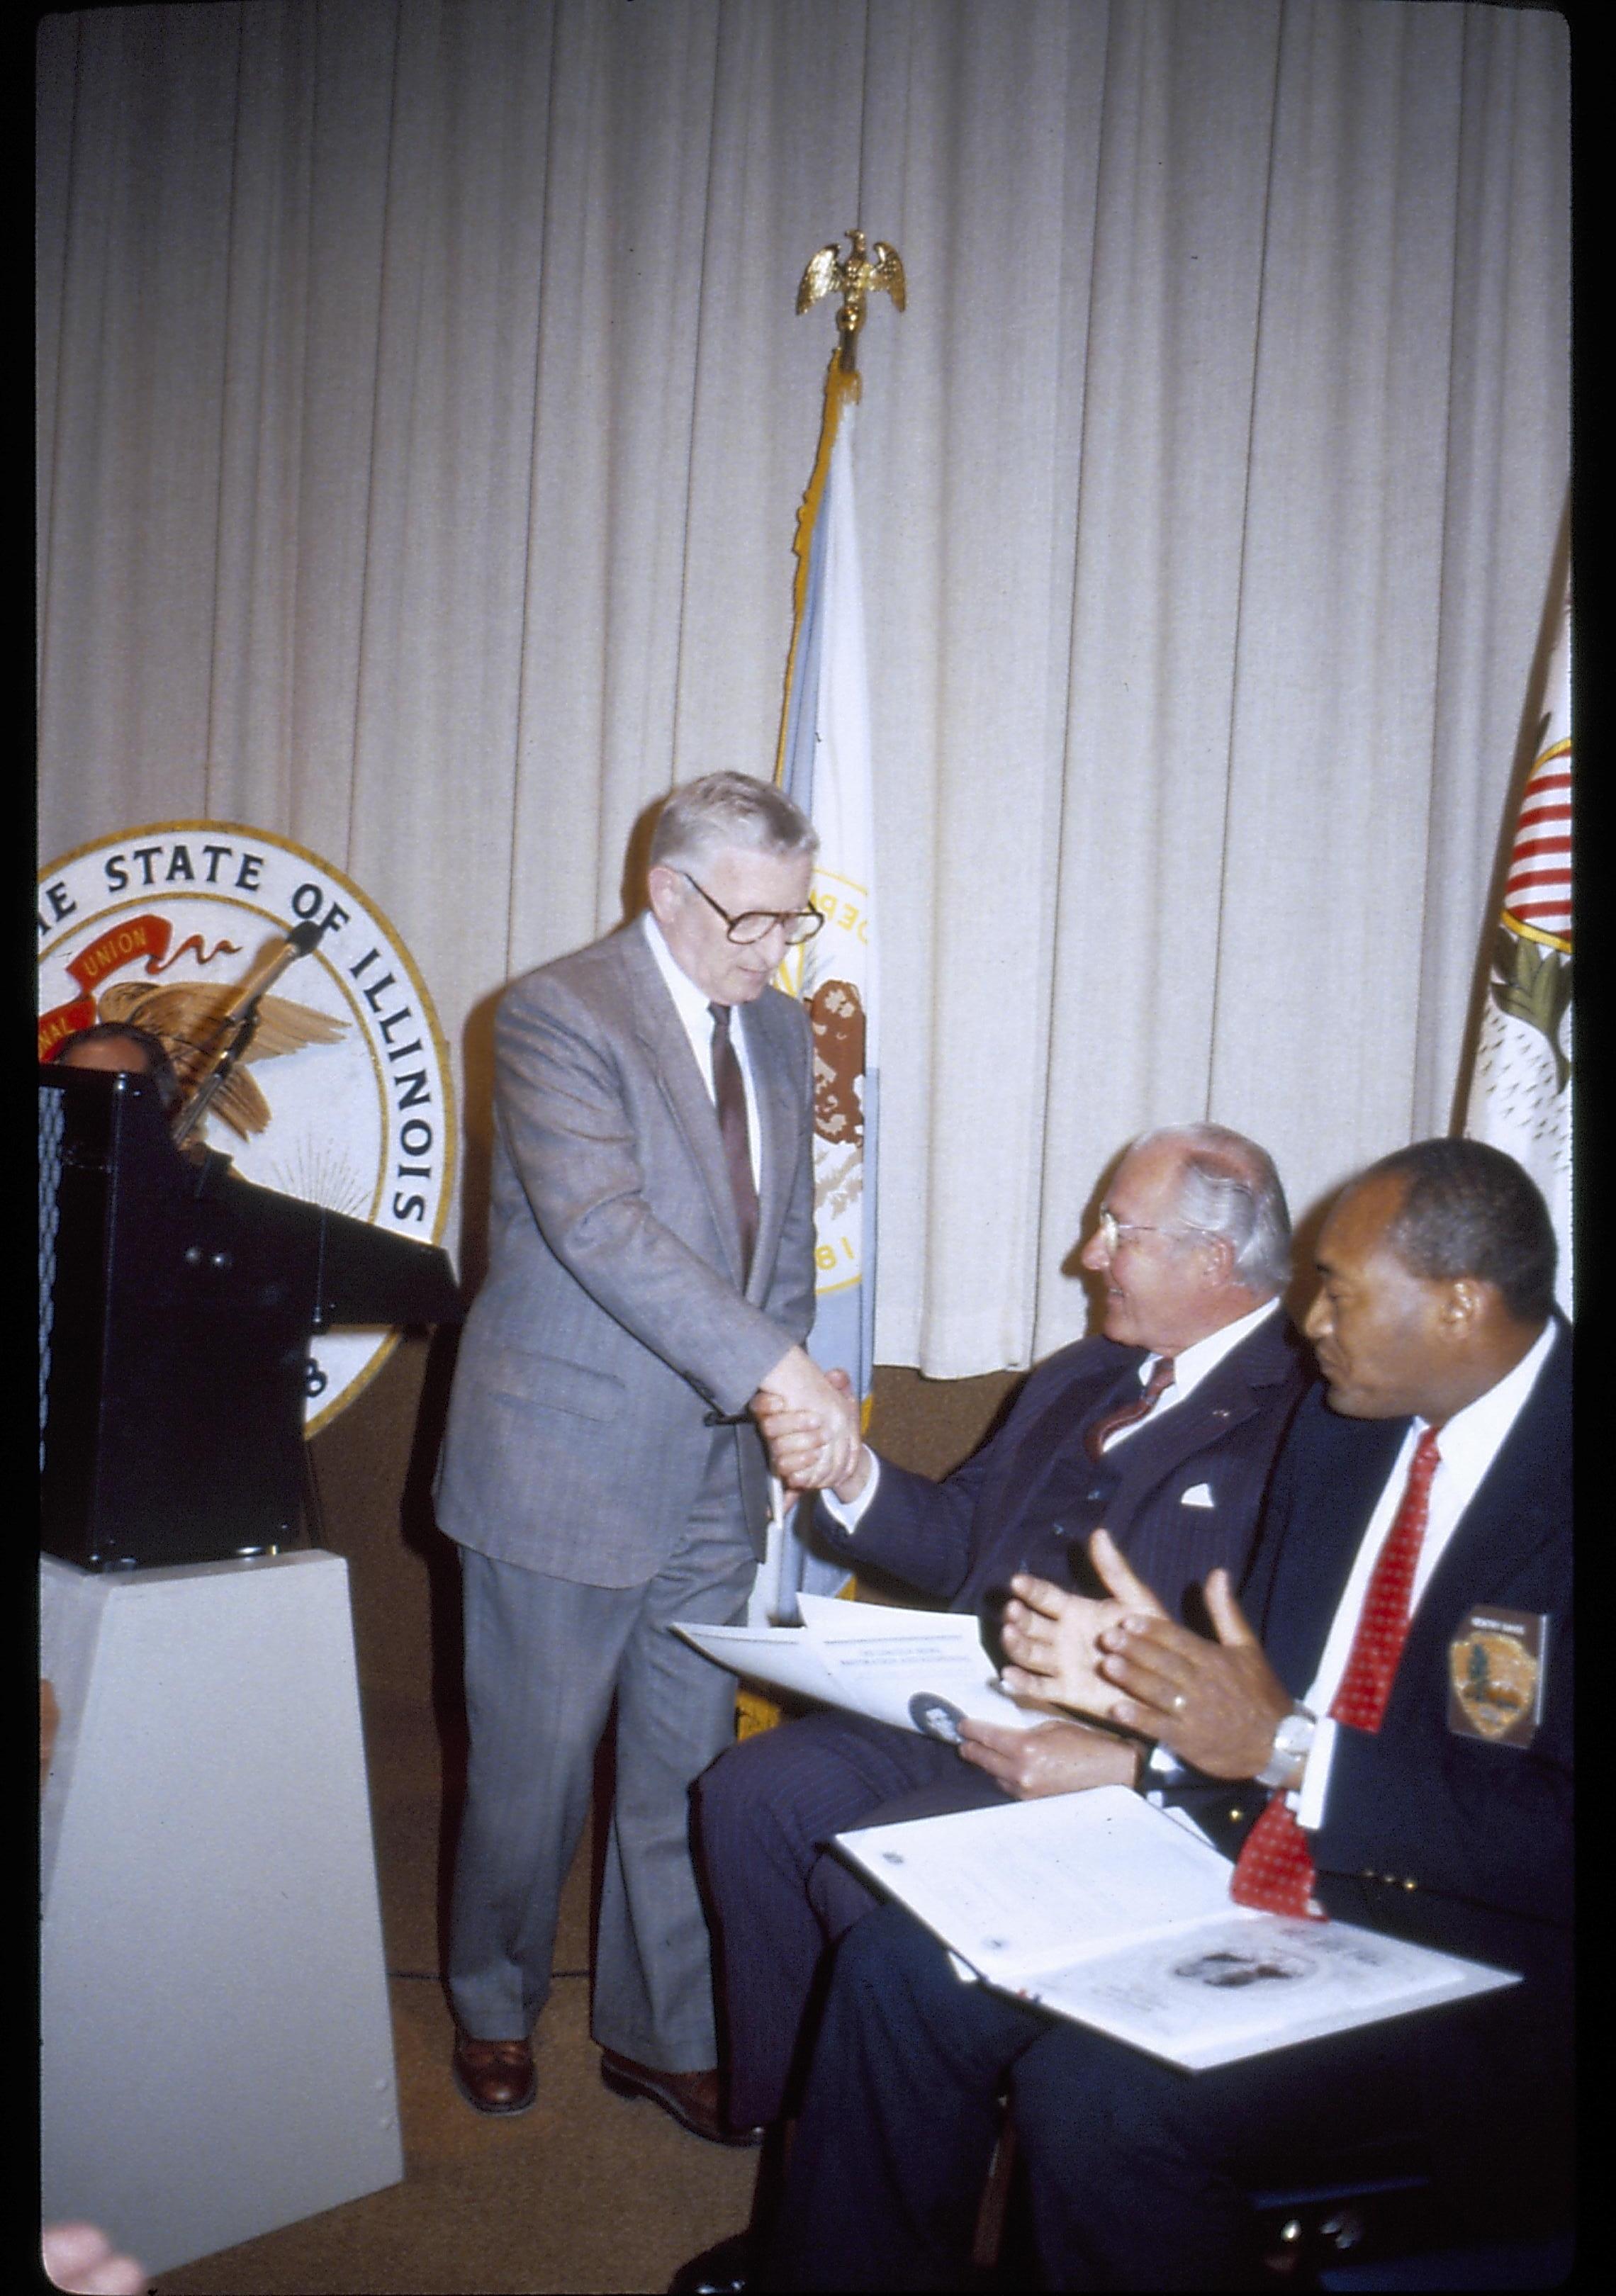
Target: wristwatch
[1293, 1743]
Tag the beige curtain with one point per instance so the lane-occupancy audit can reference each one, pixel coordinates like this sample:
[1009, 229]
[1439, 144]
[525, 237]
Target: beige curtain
[422, 418]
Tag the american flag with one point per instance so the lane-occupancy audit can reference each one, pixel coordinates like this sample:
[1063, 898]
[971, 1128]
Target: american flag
[1520, 1084]
[1537, 890]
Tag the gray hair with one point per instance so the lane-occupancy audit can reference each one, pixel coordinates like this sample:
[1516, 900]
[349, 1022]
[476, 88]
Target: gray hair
[1228, 1187]
[729, 809]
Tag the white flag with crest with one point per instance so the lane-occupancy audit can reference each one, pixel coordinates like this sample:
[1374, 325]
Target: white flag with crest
[824, 768]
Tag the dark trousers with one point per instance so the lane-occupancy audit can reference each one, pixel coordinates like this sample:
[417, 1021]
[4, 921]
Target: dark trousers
[764, 1813]
[1139, 2174]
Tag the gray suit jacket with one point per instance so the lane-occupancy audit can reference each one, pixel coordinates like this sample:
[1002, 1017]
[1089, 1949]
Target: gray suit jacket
[614, 1318]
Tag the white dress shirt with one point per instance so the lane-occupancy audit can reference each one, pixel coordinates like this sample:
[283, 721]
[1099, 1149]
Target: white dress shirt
[694, 1009]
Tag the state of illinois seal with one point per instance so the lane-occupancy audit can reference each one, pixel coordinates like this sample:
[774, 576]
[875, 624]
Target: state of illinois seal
[344, 1097]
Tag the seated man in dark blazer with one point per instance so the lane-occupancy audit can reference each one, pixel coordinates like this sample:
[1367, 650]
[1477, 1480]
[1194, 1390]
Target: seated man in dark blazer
[1421, 1504]
[1165, 1430]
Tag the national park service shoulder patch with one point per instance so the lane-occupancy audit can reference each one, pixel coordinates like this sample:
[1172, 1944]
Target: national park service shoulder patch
[1494, 1676]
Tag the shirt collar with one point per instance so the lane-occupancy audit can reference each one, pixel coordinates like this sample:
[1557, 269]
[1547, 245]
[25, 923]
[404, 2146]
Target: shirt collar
[693, 1009]
[1469, 1441]
[1192, 1363]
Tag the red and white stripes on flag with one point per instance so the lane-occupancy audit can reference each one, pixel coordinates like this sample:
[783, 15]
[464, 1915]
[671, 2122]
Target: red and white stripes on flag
[1537, 890]
[1520, 1086]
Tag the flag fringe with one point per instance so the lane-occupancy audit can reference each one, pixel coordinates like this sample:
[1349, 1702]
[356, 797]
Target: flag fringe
[842, 385]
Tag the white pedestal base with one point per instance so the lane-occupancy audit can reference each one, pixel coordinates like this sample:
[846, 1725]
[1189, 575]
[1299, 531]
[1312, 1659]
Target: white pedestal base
[217, 2056]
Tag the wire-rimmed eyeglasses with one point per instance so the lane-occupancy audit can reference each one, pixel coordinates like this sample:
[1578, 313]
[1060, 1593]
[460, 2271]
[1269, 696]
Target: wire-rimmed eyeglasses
[1113, 1231]
[798, 925]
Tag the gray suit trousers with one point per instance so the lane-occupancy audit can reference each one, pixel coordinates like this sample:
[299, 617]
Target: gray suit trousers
[543, 1660]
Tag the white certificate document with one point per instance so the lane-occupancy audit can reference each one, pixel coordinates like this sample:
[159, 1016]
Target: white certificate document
[918, 1669]
[1118, 1914]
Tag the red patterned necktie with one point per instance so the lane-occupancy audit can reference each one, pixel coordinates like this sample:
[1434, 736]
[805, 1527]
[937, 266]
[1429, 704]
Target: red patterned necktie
[1274, 1871]
[1126, 1414]
[730, 1093]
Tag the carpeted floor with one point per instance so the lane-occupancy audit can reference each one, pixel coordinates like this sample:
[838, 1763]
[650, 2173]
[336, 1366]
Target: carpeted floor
[585, 2191]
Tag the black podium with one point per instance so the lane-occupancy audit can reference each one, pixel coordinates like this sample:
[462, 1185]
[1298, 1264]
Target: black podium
[176, 1302]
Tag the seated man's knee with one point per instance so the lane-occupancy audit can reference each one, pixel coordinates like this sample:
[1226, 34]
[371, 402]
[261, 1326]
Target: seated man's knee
[889, 1953]
[1075, 2090]
[839, 1896]
[740, 1795]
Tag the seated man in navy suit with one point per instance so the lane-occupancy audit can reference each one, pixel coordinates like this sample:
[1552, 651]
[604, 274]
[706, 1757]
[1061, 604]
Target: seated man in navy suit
[1165, 1430]
[1424, 1502]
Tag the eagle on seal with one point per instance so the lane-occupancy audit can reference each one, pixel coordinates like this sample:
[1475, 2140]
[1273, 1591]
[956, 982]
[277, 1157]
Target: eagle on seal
[182, 1015]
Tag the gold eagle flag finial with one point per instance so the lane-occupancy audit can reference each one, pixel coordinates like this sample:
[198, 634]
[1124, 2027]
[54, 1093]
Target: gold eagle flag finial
[855, 280]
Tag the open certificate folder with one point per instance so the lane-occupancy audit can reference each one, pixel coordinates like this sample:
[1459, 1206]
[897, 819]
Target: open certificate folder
[920, 1670]
[1118, 1914]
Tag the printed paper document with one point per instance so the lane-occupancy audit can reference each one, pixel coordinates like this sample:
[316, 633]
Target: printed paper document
[920, 1670]
[1118, 1914]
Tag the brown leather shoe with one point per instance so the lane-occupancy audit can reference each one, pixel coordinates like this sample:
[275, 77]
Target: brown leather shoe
[495, 2075]
[692, 2098]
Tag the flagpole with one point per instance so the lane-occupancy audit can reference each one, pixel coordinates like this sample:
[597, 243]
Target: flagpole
[822, 762]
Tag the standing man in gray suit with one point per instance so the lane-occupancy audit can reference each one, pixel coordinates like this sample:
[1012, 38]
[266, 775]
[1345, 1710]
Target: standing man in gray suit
[650, 1273]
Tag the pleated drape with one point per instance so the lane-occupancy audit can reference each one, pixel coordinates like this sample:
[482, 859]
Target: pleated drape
[424, 415]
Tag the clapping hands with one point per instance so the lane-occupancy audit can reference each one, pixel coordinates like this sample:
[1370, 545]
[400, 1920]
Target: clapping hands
[1054, 1637]
[1216, 1704]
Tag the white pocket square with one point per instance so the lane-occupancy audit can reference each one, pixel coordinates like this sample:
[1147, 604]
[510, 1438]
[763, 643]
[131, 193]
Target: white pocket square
[1200, 1496]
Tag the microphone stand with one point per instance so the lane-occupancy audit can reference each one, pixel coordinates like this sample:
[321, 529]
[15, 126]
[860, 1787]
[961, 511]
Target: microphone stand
[240, 1020]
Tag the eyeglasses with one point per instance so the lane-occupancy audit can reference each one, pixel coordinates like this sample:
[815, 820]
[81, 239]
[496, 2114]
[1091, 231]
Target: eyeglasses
[1113, 1231]
[798, 925]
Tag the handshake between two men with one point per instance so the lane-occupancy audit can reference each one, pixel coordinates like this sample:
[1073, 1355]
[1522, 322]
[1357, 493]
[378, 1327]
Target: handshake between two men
[1120, 1660]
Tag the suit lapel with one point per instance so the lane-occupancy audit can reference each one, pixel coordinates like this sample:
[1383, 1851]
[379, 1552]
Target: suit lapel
[1024, 1472]
[1324, 1534]
[1224, 1400]
[1221, 1402]
[1514, 1511]
[1505, 1520]
[661, 1034]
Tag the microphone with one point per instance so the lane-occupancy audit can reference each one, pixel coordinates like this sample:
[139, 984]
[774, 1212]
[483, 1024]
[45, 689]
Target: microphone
[233, 1029]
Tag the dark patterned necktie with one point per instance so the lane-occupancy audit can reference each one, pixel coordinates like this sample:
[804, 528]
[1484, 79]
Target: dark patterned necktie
[1126, 1414]
[729, 1091]
[1274, 1871]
